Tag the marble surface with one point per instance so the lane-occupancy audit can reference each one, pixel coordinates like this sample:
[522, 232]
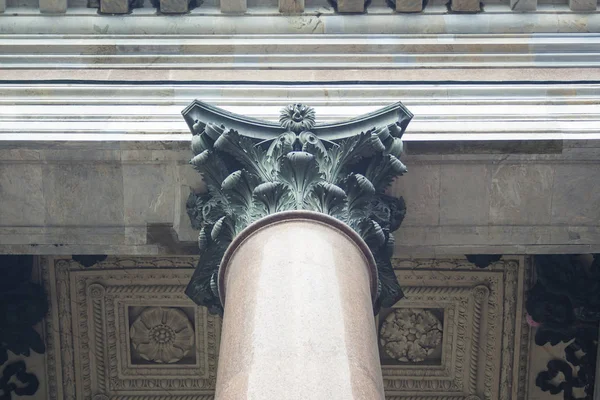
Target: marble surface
[313, 331]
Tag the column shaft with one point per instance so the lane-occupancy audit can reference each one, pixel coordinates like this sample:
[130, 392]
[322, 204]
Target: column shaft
[298, 319]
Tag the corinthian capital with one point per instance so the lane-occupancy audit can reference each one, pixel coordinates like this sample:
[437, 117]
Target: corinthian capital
[255, 168]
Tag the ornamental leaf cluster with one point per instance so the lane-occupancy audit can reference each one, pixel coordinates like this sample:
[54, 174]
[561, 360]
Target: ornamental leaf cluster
[249, 179]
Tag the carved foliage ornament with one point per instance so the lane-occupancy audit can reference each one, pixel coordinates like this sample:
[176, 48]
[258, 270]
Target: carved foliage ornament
[162, 334]
[410, 334]
[339, 169]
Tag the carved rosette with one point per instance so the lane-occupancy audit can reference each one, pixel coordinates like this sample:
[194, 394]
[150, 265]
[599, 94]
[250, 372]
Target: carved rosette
[162, 334]
[410, 334]
[251, 171]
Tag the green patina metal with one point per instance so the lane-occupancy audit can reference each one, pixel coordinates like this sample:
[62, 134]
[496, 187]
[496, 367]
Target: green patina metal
[341, 170]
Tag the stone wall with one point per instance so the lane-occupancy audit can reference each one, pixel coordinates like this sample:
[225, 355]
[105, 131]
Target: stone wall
[129, 198]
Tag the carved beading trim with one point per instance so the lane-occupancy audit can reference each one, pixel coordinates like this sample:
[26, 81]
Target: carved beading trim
[461, 331]
[523, 356]
[141, 262]
[65, 329]
[480, 296]
[421, 384]
[145, 289]
[52, 372]
[82, 339]
[97, 293]
[508, 334]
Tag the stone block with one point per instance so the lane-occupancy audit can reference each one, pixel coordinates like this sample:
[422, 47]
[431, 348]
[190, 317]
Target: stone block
[174, 6]
[149, 193]
[2, 5]
[291, 6]
[420, 188]
[350, 6]
[523, 5]
[575, 197]
[465, 6]
[521, 194]
[417, 236]
[21, 195]
[574, 235]
[583, 5]
[83, 194]
[409, 5]
[188, 181]
[53, 6]
[465, 194]
[234, 6]
[114, 6]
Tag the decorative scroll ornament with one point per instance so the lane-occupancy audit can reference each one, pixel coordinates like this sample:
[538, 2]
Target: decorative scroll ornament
[564, 306]
[23, 304]
[252, 169]
[162, 334]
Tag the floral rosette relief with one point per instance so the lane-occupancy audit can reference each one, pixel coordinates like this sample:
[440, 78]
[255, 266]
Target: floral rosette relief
[410, 334]
[162, 335]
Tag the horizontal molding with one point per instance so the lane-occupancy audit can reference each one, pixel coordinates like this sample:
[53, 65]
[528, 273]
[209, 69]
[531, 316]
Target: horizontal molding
[496, 18]
[296, 52]
[410, 241]
[443, 112]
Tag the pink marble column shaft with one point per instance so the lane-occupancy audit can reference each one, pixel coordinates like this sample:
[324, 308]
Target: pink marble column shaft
[298, 324]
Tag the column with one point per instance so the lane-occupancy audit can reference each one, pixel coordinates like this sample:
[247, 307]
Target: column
[295, 238]
[298, 290]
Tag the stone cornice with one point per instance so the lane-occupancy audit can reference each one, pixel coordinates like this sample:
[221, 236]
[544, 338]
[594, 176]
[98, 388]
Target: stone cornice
[207, 45]
[496, 18]
[445, 112]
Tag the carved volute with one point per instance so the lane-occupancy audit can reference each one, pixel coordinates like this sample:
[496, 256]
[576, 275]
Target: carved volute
[255, 168]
